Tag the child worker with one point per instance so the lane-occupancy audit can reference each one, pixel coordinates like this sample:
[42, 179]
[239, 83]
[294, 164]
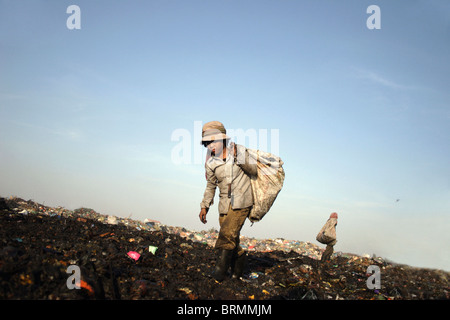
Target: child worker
[228, 168]
[327, 235]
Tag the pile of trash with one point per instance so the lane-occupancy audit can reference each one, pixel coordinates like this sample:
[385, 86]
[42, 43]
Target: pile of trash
[44, 250]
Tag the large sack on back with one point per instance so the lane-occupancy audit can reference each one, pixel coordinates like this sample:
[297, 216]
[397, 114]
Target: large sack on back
[327, 235]
[266, 184]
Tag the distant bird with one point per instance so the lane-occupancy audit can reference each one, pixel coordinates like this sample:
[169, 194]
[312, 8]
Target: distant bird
[397, 200]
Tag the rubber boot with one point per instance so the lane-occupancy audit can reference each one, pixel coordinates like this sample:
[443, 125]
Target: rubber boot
[223, 264]
[239, 265]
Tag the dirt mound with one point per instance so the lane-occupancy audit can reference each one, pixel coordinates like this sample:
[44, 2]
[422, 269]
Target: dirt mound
[38, 244]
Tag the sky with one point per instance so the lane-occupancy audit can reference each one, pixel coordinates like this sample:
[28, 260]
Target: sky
[102, 107]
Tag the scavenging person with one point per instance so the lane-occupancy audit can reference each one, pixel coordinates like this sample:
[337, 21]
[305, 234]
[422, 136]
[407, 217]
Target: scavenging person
[331, 224]
[228, 168]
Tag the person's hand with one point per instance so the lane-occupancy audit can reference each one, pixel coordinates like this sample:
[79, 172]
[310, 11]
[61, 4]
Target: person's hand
[202, 215]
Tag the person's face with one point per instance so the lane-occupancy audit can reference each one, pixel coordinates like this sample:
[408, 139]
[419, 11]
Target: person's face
[215, 147]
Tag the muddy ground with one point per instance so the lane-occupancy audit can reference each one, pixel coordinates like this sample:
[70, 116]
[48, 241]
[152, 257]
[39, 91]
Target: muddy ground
[37, 248]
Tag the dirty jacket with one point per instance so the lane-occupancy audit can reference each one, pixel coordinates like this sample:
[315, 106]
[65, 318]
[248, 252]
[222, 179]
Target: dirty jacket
[235, 170]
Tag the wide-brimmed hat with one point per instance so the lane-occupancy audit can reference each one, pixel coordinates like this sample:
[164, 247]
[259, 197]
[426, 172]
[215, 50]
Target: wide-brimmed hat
[214, 130]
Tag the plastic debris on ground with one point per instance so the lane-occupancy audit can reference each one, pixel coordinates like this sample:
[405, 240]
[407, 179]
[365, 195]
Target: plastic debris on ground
[121, 258]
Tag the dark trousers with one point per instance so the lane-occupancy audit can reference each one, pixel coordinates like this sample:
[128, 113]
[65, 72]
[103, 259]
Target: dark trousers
[230, 229]
[326, 255]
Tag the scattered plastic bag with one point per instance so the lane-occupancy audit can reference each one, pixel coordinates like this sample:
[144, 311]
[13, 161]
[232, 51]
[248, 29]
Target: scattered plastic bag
[134, 255]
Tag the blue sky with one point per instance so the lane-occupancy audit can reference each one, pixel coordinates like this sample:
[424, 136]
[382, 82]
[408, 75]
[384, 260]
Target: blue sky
[87, 116]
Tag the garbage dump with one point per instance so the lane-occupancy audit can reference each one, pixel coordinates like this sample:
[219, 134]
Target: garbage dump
[52, 253]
